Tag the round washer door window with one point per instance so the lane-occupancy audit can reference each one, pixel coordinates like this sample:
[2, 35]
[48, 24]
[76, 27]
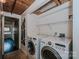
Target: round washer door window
[31, 47]
[49, 53]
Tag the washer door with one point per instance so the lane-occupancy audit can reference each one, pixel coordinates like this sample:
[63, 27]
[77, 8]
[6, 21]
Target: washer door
[49, 53]
[31, 47]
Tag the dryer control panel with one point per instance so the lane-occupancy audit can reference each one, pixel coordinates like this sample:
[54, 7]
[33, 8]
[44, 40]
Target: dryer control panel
[49, 43]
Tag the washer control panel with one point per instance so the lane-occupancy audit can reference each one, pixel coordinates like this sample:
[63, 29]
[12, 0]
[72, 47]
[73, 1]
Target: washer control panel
[60, 46]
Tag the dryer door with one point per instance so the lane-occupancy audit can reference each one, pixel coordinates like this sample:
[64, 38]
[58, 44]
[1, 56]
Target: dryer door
[49, 53]
[31, 47]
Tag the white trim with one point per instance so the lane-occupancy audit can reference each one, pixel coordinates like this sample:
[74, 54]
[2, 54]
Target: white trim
[75, 29]
[13, 16]
[19, 33]
[3, 34]
[8, 14]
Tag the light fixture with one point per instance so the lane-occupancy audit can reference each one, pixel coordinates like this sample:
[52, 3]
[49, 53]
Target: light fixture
[2, 1]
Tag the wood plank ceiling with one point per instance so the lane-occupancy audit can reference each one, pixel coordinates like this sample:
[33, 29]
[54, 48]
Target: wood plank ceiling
[16, 6]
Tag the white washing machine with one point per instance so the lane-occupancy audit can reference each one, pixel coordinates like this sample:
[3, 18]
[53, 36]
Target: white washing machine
[33, 48]
[54, 48]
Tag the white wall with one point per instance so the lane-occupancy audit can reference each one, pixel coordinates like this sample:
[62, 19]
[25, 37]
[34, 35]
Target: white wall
[45, 23]
[30, 25]
[52, 23]
[30, 18]
[76, 28]
[31, 30]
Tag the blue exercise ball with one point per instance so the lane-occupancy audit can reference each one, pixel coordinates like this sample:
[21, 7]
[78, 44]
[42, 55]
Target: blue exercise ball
[9, 45]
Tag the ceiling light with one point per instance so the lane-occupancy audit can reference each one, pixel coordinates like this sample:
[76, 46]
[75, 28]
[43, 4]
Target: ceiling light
[2, 1]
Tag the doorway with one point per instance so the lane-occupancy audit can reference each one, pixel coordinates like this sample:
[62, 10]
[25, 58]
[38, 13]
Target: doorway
[11, 34]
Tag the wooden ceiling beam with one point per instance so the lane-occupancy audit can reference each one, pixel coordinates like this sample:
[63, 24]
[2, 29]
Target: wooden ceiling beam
[13, 6]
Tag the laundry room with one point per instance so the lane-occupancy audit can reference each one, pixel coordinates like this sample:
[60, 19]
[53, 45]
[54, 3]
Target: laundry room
[53, 28]
[36, 29]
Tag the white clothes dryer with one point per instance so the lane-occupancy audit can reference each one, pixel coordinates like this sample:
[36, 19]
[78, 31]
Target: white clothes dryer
[54, 48]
